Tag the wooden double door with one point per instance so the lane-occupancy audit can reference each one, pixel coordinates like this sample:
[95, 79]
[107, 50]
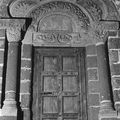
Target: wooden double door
[59, 85]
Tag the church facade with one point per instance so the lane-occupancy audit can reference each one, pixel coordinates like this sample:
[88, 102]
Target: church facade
[59, 60]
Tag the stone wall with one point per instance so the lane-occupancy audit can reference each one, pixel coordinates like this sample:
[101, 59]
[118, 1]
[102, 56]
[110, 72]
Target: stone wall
[114, 58]
[93, 83]
[26, 80]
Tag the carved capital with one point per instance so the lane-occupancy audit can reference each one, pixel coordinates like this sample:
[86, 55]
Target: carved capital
[14, 30]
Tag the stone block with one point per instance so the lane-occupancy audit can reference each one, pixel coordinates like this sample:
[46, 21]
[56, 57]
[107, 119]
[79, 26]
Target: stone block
[25, 74]
[26, 63]
[112, 33]
[115, 69]
[2, 43]
[26, 114]
[93, 100]
[2, 32]
[113, 56]
[117, 108]
[26, 51]
[92, 74]
[116, 82]
[108, 119]
[25, 87]
[116, 94]
[1, 71]
[93, 113]
[91, 61]
[8, 118]
[114, 43]
[25, 100]
[91, 50]
[94, 86]
[1, 56]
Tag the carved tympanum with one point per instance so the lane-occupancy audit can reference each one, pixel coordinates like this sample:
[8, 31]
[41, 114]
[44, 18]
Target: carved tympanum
[59, 6]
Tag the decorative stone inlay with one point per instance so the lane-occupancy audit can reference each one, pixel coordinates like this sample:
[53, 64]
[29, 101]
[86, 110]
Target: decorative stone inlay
[55, 38]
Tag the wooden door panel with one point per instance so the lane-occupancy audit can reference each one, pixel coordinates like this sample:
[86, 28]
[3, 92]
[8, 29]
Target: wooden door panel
[70, 104]
[50, 63]
[69, 63]
[59, 83]
[70, 84]
[50, 104]
[50, 84]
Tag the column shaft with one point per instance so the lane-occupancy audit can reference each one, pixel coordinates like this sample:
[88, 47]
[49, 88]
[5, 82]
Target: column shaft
[9, 107]
[11, 75]
[105, 93]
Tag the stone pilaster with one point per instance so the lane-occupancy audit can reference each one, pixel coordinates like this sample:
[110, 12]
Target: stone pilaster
[106, 105]
[13, 33]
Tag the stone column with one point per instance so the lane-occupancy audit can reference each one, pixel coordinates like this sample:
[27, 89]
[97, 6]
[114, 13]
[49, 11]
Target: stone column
[13, 33]
[106, 106]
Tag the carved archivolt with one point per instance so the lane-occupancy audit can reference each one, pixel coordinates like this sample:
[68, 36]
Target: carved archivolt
[81, 16]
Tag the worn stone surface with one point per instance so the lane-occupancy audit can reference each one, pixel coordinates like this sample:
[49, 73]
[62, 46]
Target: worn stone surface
[116, 94]
[8, 118]
[91, 61]
[115, 69]
[25, 74]
[26, 114]
[26, 64]
[2, 32]
[25, 87]
[114, 43]
[92, 74]
[94, 86]
[25, 100]
[116, 82]
[26, 51]
[114, 56]
[91, 50]
[93, 113]
[93, 99]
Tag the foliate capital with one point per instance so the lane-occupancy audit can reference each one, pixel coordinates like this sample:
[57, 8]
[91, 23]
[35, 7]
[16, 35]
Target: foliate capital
[14, 30]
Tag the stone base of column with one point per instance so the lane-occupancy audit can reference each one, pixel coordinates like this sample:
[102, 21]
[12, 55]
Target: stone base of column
[9, 109]
[118, 115]
[106, 110]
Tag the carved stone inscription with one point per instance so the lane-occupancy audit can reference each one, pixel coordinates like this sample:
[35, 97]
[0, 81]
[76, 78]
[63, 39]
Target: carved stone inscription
[55, 38]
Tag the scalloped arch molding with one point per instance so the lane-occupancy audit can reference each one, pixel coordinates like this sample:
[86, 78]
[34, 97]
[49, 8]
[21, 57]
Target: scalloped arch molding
[98, 9]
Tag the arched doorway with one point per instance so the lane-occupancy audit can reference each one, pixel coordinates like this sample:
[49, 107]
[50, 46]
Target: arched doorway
[63, 25]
